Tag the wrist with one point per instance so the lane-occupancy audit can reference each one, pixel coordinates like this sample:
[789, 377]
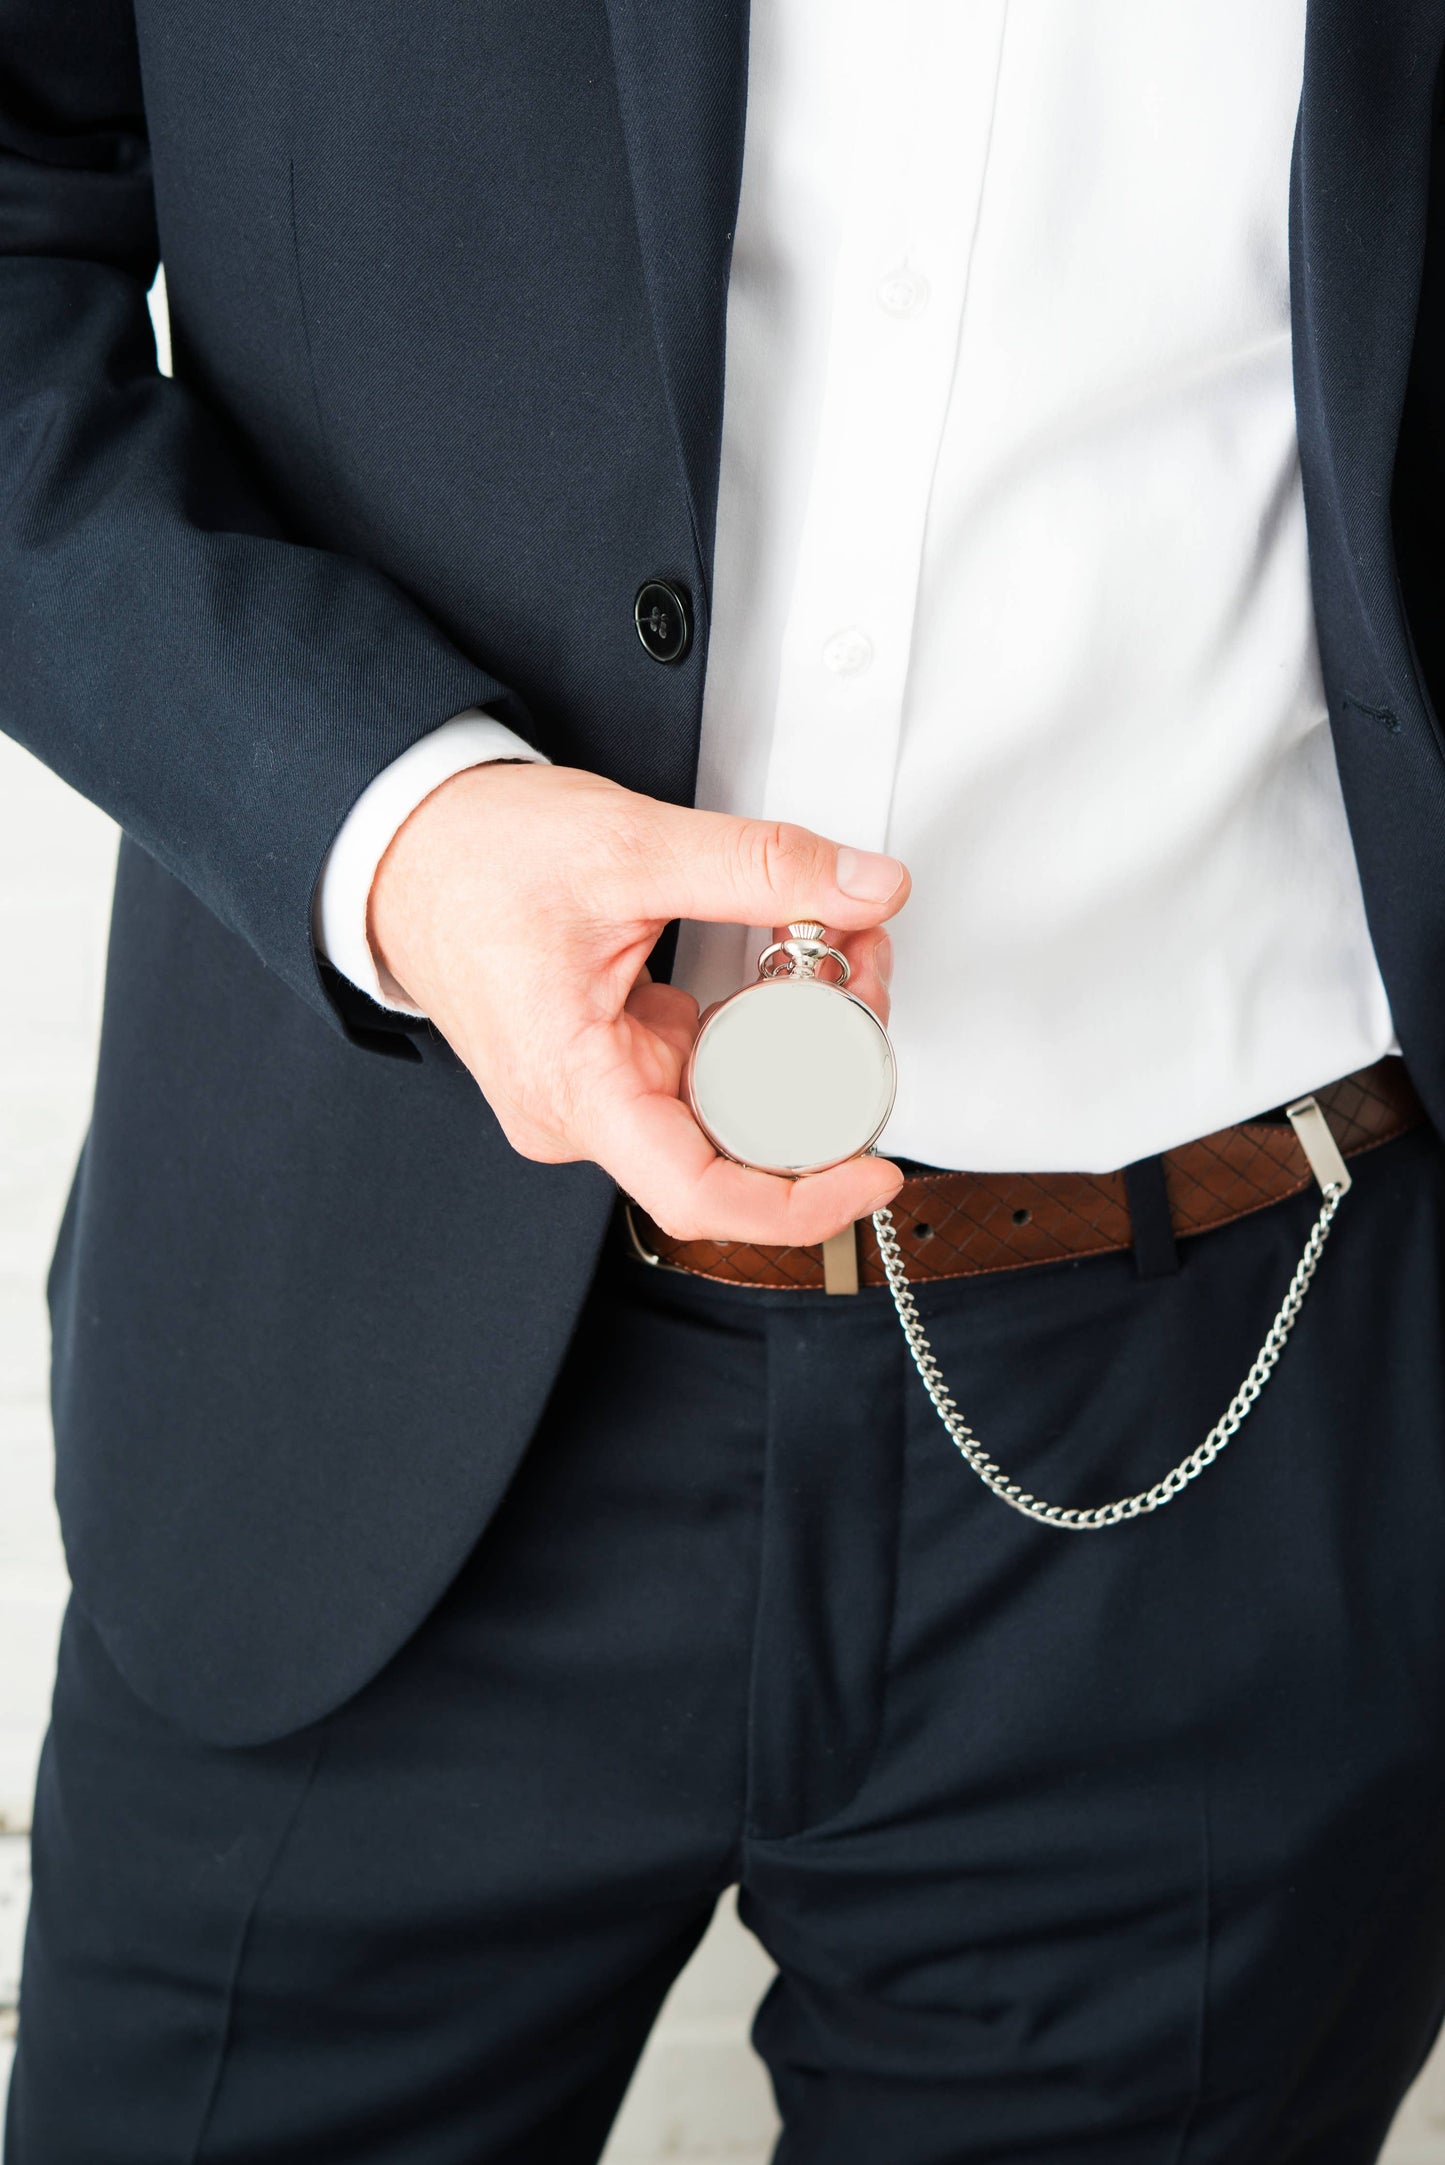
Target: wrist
[412, 896]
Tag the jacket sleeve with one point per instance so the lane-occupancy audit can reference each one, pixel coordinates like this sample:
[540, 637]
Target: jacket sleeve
[223, 692]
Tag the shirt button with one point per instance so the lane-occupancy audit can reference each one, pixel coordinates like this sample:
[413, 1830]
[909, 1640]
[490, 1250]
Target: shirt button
[903, 293]
[663, 616]
[848, 653]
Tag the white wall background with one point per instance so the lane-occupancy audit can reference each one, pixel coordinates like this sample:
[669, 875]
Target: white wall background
[699, 2094]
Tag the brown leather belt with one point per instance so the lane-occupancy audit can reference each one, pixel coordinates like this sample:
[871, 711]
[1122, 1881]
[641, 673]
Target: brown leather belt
[954, 1225]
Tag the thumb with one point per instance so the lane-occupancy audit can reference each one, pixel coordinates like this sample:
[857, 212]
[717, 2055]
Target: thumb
[717, 869]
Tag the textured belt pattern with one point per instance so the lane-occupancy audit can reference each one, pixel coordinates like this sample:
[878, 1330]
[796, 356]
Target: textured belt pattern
[954, 1225]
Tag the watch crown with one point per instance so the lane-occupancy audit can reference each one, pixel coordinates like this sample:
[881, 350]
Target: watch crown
[802, 954]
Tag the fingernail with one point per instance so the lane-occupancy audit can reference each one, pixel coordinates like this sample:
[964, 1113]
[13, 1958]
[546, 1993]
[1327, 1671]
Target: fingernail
[865, 876]
[883, 961]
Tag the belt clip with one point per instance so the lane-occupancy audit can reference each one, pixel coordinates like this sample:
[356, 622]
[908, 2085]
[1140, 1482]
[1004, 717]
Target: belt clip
[1316, 1140]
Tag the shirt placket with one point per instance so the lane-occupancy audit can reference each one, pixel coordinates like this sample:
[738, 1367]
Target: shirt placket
[913, 155]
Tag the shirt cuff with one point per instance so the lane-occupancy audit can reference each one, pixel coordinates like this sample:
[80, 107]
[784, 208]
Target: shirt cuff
[343, 890]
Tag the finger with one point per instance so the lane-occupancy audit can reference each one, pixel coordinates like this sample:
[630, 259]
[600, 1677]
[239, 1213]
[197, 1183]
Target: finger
[656, 1152]
[870, 959]
[533, 1139]
[669, 1012]
[712, 867]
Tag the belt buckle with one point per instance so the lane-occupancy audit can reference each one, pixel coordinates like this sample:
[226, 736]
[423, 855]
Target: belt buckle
[634, 1241]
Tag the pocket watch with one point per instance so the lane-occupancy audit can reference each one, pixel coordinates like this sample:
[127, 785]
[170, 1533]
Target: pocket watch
[794, 1073]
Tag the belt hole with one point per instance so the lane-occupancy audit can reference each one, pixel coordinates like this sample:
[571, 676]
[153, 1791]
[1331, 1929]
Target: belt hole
[922, 1231]
[1022, 1217]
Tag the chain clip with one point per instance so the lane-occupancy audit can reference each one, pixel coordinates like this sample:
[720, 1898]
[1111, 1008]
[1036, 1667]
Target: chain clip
[1326, 1163]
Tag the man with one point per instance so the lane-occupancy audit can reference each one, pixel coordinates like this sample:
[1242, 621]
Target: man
[472, 1579]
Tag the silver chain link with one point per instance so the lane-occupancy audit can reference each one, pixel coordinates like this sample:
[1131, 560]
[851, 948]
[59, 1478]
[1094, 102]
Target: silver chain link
[1174, 1482]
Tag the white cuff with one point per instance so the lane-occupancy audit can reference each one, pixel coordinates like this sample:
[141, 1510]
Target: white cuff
[343, 890]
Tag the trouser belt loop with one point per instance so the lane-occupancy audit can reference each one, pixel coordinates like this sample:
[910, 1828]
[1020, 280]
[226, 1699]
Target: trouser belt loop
[1156, 1253]
[840, 1261]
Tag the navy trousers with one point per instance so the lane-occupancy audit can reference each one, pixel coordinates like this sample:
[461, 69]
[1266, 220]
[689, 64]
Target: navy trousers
[1120, 1847]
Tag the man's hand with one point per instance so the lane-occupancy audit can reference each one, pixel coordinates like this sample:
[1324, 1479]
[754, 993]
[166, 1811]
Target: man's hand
[518, 905]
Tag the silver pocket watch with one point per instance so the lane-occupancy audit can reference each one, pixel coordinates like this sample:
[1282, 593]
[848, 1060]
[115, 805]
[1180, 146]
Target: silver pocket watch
[794, 1073]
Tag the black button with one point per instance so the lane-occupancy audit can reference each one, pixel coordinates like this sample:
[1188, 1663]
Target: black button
[663, 616]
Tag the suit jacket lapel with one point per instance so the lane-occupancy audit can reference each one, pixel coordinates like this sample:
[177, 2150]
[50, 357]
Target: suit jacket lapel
[1358, 218]
[682, 86]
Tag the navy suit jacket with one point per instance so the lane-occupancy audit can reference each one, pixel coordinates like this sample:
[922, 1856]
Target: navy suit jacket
[447, 286]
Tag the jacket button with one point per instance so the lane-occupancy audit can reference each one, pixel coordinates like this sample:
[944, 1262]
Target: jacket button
[662, 613]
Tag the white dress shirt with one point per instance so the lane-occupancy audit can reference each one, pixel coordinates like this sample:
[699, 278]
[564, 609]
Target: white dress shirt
[1011, 575]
